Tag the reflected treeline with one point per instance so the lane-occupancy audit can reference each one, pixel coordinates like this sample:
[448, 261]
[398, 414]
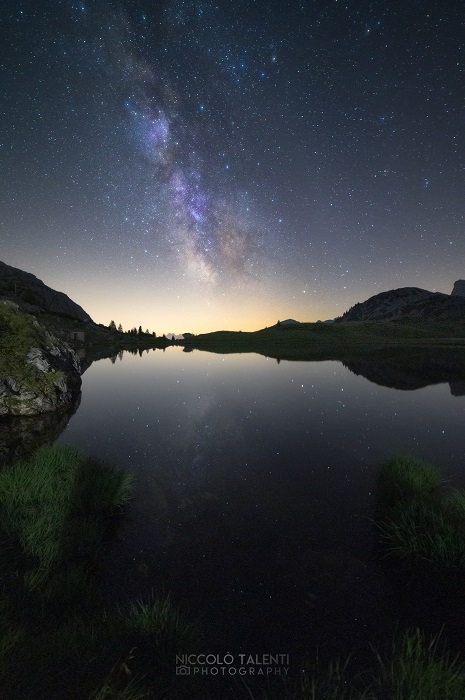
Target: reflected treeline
[132, 351]
[414, 370]
[22, 435]
[113, 355]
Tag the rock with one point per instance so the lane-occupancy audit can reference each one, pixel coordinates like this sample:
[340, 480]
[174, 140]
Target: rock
[38, 374]
[459, 289]
[35, 357]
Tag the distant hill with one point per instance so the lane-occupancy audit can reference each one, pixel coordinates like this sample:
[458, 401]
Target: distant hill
[288, 322]
[33, 295]
[410, 302]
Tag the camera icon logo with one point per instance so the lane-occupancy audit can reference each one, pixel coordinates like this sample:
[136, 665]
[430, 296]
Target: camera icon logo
[183, 670]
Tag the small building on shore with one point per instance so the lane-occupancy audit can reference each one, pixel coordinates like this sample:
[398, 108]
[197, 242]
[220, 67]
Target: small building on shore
[77, 335]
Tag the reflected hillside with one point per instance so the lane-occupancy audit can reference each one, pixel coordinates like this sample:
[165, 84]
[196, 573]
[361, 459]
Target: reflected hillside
[393, 365]
[413, 371]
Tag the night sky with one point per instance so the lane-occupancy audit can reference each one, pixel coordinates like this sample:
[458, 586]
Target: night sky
[194, 166]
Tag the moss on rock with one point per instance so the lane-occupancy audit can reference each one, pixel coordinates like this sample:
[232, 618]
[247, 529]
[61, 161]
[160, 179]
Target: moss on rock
[38, 373]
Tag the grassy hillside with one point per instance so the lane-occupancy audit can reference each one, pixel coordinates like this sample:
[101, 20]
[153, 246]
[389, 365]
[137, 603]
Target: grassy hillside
[334, 341]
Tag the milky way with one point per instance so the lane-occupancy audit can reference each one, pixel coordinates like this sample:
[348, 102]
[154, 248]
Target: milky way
[233, 163]
[204, 216]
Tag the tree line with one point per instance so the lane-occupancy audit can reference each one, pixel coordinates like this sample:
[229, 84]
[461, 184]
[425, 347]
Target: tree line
[132, 331]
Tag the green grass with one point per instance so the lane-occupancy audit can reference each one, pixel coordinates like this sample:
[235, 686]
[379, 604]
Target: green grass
[404, 478]
[419, 668]
[418, 518]
[425, 532]
[54, 506]
[54, 510]
[160, 622]
[336, 341]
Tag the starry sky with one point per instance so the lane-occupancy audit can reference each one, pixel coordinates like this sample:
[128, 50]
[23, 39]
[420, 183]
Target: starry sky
[199, 165]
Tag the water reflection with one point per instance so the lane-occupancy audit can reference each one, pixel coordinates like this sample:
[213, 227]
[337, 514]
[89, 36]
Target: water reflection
[255, 484]
[414, 371]
[399, 370]
[22, 435]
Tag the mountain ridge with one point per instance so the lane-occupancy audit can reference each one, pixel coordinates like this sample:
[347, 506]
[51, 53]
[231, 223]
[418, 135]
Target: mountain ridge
[410, 302]
[33, 295]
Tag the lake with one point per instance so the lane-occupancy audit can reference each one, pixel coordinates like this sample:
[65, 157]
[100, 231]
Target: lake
[254, 493]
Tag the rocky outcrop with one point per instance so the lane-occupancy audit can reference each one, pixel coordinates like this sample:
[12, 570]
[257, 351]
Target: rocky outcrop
[38, 373]
[390, 304]
[459, 289]
[408, 302]
[31, 293]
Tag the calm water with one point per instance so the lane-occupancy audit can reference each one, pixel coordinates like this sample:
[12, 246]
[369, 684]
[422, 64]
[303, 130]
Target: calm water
[255, 491]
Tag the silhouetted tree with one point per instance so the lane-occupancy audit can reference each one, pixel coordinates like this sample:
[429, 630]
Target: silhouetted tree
[140, 330]
[120, 328]
[112, 326]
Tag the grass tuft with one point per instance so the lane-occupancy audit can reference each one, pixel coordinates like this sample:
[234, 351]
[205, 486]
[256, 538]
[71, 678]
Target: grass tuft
[418, 519]
[406, 478]
[161, 622]
[419, 668]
